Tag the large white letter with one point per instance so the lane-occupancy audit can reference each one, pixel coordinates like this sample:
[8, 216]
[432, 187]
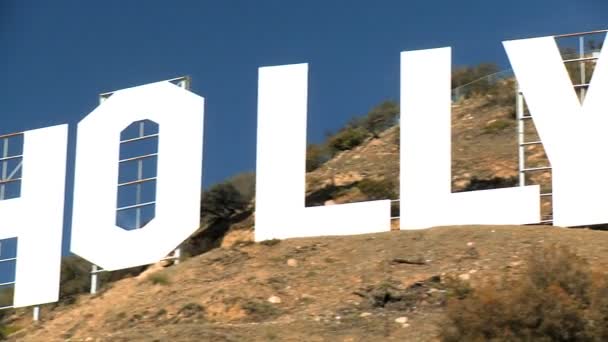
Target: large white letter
[426, 198]
[573, 135]
[281, 164]
[36, 217]
[95, 235]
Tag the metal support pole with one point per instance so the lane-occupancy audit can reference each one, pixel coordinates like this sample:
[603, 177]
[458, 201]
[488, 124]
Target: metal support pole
[581, 51]
[177, 255]
[94, 271]
[519, 111]
[185, 83]
[36, 313]
[94, 268]
[4, 167]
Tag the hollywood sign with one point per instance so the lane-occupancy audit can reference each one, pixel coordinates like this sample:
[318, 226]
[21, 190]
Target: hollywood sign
[36, 217]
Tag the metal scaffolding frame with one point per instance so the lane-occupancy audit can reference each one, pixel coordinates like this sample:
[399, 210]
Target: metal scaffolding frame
[183, 82]
[5, 158]
[522, 119]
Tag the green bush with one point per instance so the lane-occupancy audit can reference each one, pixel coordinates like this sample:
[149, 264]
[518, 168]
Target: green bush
[502, 93]
[381, 117]
[159, 278]
[221, 201]
[557, 299]
[244, 183]
[222, 205]
[348, 138]
[377, 189]
[316, 155]
[473, 78]
[481, 80]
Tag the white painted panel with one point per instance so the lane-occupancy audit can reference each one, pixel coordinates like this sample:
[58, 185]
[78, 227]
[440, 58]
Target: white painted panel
[573, 135]
[281, 165]
[95, 236]
[426, 198]
[36, 217]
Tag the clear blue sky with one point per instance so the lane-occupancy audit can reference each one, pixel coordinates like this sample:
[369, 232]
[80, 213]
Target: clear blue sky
[58, 55]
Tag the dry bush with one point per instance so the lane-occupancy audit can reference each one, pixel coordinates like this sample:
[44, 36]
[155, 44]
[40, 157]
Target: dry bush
[556, 299]
[159, 278]
[498, 126]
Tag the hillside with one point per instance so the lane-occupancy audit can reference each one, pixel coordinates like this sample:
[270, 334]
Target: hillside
[312, 289]
[223, 294]
[484, 156]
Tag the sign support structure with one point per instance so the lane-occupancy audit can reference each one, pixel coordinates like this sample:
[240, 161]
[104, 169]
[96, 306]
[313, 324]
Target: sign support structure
[580, 85]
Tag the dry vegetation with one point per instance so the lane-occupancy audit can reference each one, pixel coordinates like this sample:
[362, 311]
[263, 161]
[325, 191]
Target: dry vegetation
[452, 284]
[402, 286]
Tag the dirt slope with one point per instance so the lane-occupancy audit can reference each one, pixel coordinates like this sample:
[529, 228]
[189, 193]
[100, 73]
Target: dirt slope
[348, 288]
[484, 145]
[313, 289]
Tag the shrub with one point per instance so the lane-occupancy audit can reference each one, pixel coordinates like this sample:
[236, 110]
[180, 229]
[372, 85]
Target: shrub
[221, 202]
[270, 242]
[244, 183]
[485, 80]
[159, 279]
[498, 126]
[558, 266]
[491, 183]
[599, 309]
[316, 155]
[381, 117]
[502, 93]
[75, 278]
[473, 78]
[190, 310]
[557, 299]
[258, 310]
[377, 189]
[347, 138]
[6, 330]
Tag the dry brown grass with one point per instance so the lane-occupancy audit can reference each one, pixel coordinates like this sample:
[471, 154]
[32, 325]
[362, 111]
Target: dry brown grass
[556, 299]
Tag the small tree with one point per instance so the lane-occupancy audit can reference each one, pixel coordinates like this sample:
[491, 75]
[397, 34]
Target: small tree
[348, 138]
[221, 201]
[381, 117]
[473, 77]
[316, 155]
[244, 183]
